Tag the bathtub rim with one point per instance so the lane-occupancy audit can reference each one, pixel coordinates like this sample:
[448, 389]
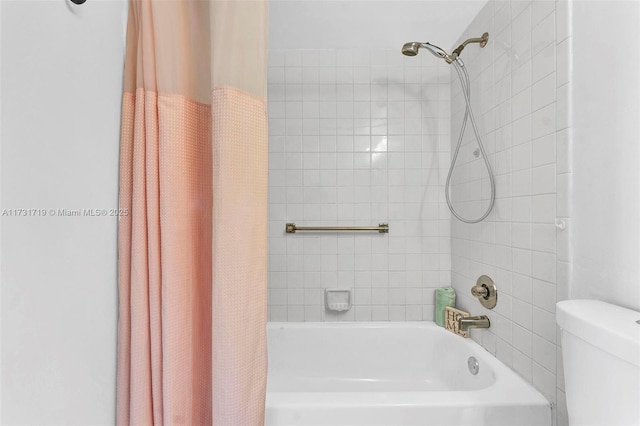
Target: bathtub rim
[509, 388]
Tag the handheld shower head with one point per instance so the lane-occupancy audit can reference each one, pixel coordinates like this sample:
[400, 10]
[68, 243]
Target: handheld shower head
[440, 53]
[411, 49]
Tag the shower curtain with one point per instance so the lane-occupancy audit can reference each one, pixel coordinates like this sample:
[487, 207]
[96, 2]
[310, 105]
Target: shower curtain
[192, 231]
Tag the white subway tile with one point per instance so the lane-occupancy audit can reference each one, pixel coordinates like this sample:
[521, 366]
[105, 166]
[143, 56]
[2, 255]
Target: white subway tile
[541, 9]
[521, 183]
[563, 62]
[414, 313]
[543, 121]
[313, 313]
[543, 208]
[545, 381]
[295, 313]
[521, 104]
[563, 116]
[521, 235]
[276, 92]
[522, 47]
[563, 250]
[544, 324]
[397, 313]
[521, 76]
[278, 313]
[344, 58]
[522, 315]
[310, 75]
[523, 340]
[563, 151]
[293, 92]
[360, 58]
[562, 20]
[327, 75]
[543, 92]
[544, 295]
[521, 156]
[363, 313]
[378, 58]
[379, 313]
[543, 179]
[293, 58]
[544, 238]
[543, 150]
[544, 32]
[276, 58]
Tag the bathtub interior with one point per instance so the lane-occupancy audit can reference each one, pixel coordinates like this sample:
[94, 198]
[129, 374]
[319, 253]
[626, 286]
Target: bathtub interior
[391, 373]
[350, 357]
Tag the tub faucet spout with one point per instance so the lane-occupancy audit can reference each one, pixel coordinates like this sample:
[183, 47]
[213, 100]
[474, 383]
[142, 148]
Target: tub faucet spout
[479, 321]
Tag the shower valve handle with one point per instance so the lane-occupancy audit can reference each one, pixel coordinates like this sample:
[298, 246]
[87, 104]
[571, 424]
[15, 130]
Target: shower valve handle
[480, 291]
[485, 291]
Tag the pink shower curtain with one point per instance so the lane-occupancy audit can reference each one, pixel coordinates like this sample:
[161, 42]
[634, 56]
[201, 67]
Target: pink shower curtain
[192, 250]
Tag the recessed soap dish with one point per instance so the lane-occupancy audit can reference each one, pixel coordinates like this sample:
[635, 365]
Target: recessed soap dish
[337, 299]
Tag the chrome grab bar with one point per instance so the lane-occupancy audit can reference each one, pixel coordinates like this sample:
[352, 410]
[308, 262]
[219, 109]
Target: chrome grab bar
[382, 228]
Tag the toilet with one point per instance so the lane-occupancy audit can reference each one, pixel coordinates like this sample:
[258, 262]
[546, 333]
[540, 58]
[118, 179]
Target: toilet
[601, 357]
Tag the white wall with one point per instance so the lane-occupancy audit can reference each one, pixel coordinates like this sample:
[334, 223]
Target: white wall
[325, 24]
[61, 92]
[606, 131]
[357, 137]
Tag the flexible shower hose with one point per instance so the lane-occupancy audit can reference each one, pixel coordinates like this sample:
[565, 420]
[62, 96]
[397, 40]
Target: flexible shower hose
[468, 113]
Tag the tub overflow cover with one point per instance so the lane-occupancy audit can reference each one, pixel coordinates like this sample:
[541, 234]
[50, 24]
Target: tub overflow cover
[473, 365]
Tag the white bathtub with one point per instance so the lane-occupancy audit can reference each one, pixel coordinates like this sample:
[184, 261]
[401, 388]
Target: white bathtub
[391, 373]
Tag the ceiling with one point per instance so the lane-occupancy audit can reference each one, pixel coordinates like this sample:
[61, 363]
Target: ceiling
[314, 24]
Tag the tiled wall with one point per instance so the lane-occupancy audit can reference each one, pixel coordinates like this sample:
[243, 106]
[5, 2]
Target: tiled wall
[519, 85]
[358, 137]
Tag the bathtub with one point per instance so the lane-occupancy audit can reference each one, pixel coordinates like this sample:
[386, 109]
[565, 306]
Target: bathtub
[391, 373]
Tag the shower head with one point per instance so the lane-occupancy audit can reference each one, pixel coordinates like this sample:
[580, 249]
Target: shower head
[411, 49]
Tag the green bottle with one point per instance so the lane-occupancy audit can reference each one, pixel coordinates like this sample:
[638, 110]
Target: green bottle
[444, 297]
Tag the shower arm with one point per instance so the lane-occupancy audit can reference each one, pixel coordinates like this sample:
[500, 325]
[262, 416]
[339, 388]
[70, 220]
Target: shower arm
[482, 40]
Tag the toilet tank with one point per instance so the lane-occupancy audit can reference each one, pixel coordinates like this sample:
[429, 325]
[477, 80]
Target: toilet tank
[601, 357]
